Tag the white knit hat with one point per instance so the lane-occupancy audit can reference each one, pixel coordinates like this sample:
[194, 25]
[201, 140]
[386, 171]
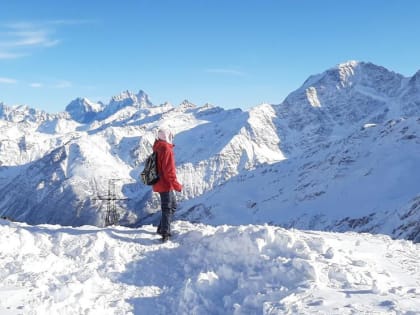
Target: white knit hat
[165, 134]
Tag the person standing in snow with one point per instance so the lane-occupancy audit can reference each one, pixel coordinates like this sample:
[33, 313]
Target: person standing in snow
[168, 182]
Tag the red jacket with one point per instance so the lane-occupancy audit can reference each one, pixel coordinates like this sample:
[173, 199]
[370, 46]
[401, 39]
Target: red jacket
[165, 167]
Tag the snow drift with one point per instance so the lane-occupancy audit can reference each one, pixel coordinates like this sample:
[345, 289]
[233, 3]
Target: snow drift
[249, 269]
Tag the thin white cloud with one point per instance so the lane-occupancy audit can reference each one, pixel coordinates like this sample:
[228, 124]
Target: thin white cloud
[225, 71]
[62, 85]
[36, 85]
[52, 85]
[71, 22]
[19, 39]
[10, 55]
[24, 34]
[32, 38]
[7, 81]
[58, 84]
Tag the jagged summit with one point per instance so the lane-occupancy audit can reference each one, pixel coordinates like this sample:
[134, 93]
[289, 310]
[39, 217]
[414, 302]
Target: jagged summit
[143, 99]
[349, 64]
[348, 92]
[346, 75]
[132, 98]
[83, 110]
[21, 113]
[186, 104]
[128, 98]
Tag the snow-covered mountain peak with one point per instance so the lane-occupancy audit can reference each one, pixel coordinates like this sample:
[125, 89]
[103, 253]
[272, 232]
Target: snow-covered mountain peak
[83, 110]
[369, 77]
[338, 74]
[347, 71]
[125, 99]
[124, 95]
[351, 73]
[316, 144]
[343, 95]
[21, 113]
[143, 99]
[186, 105]
[349, 64]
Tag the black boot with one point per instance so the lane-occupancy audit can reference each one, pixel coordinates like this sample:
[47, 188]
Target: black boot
[165, 237]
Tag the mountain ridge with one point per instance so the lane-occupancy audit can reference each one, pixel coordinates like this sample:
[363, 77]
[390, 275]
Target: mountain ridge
[313, 131]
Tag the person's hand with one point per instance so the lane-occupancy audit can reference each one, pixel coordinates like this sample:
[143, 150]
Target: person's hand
[178, 187]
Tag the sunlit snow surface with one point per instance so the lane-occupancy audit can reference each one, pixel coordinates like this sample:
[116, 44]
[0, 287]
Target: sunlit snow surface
[253, 269]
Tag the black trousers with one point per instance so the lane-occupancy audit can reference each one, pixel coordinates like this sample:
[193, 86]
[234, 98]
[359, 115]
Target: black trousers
[168, 205]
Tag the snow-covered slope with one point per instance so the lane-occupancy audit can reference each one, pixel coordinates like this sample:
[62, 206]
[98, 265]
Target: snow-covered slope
[65, 166]
[340, 153]
[351, 139]
[204, 270]
[334, 104]
[366, 182]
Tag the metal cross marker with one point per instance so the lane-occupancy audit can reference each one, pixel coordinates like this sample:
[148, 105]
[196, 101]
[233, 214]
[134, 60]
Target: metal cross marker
[111, 217]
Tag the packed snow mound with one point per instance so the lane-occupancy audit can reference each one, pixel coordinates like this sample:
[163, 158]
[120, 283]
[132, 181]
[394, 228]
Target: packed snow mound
[204, 270]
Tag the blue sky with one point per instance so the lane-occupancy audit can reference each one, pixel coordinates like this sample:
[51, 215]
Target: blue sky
[230, 53]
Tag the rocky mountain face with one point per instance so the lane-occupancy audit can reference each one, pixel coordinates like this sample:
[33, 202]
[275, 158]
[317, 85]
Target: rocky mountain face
[342, 152]
[351, 139]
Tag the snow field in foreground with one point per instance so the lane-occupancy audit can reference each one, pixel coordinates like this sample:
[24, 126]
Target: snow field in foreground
[204, 270]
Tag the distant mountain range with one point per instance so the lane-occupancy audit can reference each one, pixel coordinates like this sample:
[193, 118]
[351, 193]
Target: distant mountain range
[340, 153]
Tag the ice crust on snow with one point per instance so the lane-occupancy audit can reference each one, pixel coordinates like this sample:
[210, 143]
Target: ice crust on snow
[253, 269]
